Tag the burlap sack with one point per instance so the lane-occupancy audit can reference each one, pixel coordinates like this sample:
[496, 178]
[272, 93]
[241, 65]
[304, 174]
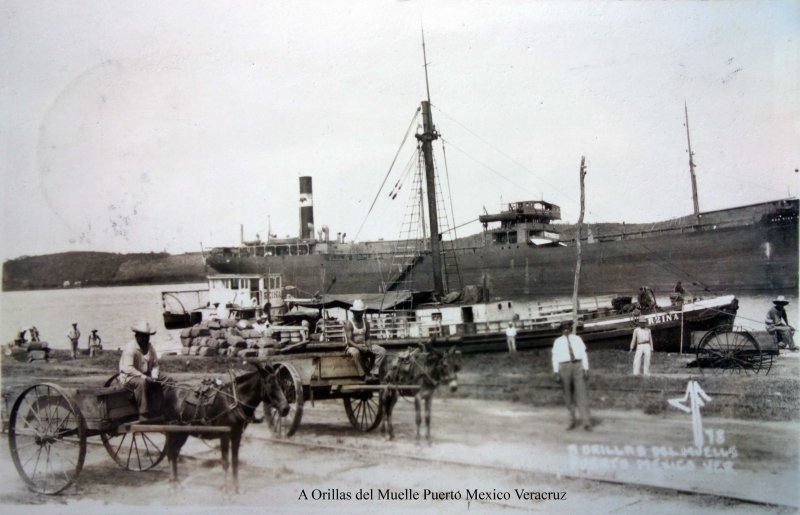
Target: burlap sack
[236, 341]
[207, 351]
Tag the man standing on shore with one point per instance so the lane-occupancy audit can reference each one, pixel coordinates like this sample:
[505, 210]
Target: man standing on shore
[778, 323]
[571, 368]
[74, 336]
[642, 341]
[511, 337]
[95, 344]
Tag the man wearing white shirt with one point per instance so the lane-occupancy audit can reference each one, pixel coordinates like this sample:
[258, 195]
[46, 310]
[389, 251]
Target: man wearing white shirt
[642, 342]
[511, 337]
[571, 367]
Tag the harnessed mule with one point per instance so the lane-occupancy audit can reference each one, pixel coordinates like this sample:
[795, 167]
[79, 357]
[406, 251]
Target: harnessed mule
[428, 369]
[232, 404]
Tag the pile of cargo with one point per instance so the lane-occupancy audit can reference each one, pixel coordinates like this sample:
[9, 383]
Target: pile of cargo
[225, 337]
[229, 337]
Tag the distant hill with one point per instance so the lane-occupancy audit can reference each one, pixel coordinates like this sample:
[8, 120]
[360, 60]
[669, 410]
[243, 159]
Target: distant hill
[72, 269]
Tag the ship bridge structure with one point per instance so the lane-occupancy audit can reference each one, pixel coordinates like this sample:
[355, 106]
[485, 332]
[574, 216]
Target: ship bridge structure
[529, 221]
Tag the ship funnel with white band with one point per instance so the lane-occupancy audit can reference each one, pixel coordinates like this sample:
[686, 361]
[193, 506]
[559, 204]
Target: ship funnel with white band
[306, 209]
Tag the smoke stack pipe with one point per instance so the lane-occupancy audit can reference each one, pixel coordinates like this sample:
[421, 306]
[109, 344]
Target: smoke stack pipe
[241, 234]
[306, 209]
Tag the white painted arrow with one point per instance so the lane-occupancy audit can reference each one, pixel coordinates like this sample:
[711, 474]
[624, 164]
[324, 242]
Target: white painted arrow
[696, 398]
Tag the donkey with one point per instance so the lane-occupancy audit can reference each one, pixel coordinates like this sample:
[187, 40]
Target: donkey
[426, 367]
[232, 404]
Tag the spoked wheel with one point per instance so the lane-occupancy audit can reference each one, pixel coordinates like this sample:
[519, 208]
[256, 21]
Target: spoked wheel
[364, 410]
[734, 351]
[47, 438]
[292, 386]
[134, 451]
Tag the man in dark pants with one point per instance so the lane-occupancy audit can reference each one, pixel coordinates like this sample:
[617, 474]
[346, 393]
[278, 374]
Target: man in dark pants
[357, 338]
[138, 371]
[571, 368]
[74, 336]
[778, 324]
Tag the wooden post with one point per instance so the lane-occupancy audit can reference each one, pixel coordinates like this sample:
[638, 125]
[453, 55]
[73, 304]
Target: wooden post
[578, 247]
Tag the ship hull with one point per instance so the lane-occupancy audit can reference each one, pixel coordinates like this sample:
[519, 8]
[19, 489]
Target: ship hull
[757, 253]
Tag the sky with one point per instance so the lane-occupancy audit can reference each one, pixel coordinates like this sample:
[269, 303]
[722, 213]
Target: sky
[151, 126]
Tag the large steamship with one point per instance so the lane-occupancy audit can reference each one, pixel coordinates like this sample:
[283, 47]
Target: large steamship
[521, 253]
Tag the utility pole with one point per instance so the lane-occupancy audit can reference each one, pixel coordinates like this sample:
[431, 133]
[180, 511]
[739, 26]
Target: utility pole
[578, 246]
[691, 166]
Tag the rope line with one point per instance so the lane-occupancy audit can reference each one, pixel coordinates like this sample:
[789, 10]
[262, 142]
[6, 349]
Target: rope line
[408, 131]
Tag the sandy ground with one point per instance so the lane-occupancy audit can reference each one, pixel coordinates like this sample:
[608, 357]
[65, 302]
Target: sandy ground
[499, 447]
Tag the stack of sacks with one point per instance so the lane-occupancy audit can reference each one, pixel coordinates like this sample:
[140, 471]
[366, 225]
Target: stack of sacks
[223, 337]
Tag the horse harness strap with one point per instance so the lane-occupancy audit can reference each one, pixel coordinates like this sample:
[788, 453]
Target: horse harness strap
[206, 395]
[200, 398]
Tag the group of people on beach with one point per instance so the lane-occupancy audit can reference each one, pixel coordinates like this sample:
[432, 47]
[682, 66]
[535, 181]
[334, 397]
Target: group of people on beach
[94, 342]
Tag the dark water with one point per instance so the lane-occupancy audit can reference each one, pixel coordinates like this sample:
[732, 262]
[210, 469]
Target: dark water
[113, 310]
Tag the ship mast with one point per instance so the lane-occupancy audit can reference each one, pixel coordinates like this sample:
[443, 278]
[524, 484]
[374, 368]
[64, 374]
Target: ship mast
[427, 138]
[691, 165]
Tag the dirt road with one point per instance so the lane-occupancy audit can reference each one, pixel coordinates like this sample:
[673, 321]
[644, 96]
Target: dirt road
[502, 448]
[500, 451]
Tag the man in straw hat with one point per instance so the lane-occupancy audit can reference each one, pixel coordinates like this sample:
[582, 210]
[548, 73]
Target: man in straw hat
[356, 334]
[95, 344]
[778, 324]
[138, 371]
[642, 341]
[571, 368]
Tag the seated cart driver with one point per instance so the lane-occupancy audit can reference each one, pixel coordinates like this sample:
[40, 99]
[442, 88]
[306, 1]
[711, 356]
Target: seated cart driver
[356, 335]
[138, 372]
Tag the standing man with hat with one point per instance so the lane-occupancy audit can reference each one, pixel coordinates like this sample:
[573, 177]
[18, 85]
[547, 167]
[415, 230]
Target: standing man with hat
[571, 368]
[642, 341]
[356, 335]
[74, 336]
[778, 323]
[138, 372]
[95, 344]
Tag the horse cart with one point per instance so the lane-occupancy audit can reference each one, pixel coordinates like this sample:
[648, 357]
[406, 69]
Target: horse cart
[734, 350]
[321, 371]
[49, 425]
[311, 371]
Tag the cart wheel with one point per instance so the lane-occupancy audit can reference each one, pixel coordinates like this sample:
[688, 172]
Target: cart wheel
[732, 350]
[364, 410]
[136, 451]
[47, 438]
[289, 379]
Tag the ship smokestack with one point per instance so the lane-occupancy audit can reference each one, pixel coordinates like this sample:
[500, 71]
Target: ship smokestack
[306, 209]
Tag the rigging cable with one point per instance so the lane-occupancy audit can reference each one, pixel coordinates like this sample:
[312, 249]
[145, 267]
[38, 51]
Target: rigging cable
[486, 166]
[408, 131]
[449, 191]
[558, 190]
[658, 262]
